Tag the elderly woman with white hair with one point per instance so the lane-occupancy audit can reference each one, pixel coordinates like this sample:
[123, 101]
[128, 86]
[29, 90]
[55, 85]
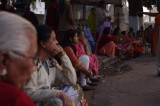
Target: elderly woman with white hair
[17, 49]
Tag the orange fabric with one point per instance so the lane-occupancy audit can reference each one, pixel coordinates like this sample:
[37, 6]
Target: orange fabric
[155, 35]
[75, 61]
[85, 103]
[108, 49]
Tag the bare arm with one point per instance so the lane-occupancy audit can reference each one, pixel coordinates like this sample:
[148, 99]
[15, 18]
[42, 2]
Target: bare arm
[76, 63]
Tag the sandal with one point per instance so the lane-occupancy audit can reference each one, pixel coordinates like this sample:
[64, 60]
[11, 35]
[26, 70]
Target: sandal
[93, 84]
[95, 79]
[87, 88]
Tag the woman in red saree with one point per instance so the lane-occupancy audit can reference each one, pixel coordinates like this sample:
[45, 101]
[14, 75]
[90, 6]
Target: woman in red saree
[136, 43]
[106, 45]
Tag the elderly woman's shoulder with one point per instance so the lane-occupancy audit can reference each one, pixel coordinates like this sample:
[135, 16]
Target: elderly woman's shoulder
[10, 95]
[7, 87]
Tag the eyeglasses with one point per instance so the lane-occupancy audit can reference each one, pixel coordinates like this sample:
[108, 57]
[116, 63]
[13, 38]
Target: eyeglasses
[34, 59]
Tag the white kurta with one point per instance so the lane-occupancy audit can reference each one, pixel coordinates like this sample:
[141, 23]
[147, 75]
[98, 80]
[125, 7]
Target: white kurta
[39, 87]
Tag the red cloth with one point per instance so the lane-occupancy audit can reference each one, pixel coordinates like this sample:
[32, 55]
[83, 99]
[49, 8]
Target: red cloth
[104, 39]
[12, 96]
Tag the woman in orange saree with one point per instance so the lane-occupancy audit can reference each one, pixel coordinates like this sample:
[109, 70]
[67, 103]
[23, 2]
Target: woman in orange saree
[106, 45]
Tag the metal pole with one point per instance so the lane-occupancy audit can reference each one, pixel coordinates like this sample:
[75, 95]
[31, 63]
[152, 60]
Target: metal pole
[84, 12]
[150, 16]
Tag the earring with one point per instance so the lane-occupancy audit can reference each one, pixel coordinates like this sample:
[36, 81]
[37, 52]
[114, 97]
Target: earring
[3, 73]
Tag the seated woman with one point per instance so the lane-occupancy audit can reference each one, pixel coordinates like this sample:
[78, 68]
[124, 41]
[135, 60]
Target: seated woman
[129, 45]
[137, 45]
[18, 46]
[81, 63]
[106, 45]
[52, 84]
[81, 49]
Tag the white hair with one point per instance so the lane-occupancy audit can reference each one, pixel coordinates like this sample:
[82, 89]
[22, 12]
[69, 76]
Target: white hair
[13, 33]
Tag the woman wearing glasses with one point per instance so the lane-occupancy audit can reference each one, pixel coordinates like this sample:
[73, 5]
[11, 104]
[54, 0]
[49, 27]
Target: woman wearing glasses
[17, 49]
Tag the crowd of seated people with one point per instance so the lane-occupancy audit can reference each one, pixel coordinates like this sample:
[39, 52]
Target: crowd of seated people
[120, 44]
[81, 62]
[37, 72]
[51, 81]
[54, 74]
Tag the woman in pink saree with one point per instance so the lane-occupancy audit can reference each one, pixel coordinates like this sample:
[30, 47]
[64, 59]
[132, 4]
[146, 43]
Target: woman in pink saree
[81, 50]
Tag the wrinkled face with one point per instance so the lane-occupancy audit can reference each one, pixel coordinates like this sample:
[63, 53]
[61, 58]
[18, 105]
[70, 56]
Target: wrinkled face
[20, 69]
[51, 43]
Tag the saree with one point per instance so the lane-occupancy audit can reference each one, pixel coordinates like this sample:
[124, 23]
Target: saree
[74, 92]
[106, 45]
[108, 49]
[93, 65]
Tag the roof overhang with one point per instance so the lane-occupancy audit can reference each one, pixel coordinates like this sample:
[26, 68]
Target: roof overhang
[94, 2]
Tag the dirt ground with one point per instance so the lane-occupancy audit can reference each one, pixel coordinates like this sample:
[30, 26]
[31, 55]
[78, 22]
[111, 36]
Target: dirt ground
[137, 87]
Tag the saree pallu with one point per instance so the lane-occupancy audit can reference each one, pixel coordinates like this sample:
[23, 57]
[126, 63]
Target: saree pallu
[108, 49]
[125, 50]
[94, 63]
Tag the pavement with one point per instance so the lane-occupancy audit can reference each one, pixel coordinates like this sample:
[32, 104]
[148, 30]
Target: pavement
[138, 86]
